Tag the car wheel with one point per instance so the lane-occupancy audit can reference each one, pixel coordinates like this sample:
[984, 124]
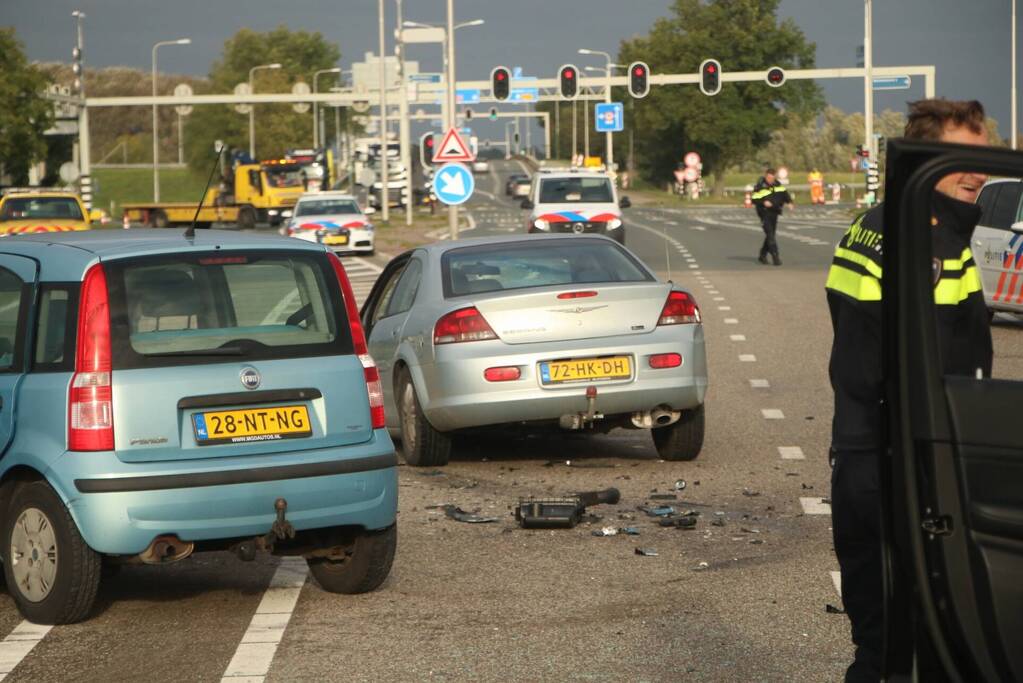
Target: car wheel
[158, 219]
[683, 439]
[421, 444]
[365, 566]
[51, 573]
[246, 218]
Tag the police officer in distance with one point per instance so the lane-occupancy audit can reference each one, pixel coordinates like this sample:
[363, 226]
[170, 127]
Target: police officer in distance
[854, 298]
[769, 197]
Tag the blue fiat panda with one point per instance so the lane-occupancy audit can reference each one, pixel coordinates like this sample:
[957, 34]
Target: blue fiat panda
[162, 395]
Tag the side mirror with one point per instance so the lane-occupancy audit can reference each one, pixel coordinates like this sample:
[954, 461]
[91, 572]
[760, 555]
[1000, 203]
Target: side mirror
[1017, 227]
[526, 204]
[624, 203]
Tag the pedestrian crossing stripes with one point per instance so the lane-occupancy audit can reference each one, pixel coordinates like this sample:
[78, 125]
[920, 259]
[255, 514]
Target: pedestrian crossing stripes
[362, 274]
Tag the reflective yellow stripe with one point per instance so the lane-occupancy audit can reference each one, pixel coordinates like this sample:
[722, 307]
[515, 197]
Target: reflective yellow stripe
[860, 259]
[951, 291]
[957, 264]
[852, 284]
[760, 194]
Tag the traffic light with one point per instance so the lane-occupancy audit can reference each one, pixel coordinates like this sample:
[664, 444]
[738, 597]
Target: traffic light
[493, 113]
[639, 79]
[710, 77]
[873, 177]
[568, 78]
[500, 83]
[76, 68]
[426, 143]
[775, 77]
[468, 114]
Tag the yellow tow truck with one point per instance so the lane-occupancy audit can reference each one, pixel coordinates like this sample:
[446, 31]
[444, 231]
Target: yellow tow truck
[251, 194]
[37, 209]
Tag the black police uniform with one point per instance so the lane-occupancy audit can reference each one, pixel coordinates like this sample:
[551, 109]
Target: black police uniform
[778, 196]
[964, 338]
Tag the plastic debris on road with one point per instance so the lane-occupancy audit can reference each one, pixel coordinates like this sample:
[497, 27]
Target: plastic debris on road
[459, 515]
[680, 484]
[679, 522]
[646, 552]
[606, 531]
[661, 511]
[750, 493]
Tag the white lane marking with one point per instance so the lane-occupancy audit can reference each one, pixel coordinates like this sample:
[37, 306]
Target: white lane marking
[18, 644]
[689, 259]
[747, 358]
[759, 383]
[791, 453]
[714, 291]
[836, 578]
[722, 308]
[699, 272]
[255, 653]
[772, 414]
[698, 227]
[737, 337]
[717, 298]
[815, 506]
[731, 321]
[693, 265]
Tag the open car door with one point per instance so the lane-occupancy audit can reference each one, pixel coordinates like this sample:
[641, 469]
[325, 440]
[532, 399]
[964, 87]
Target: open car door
[953, 484]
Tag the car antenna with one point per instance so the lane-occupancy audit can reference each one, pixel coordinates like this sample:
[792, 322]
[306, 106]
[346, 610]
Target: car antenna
[190, 230]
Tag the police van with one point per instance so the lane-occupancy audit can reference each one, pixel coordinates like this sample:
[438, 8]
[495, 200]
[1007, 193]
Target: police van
[998, 244]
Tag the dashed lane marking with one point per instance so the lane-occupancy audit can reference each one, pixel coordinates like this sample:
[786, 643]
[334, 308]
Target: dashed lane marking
[717, 298]
[737, 337]
[747, 358]
[693, 265]
[772, 414]
[18, 644]
[723, 308]
[836, 579]
[791, 453]
[815, 506]
[251, 661]
[731, 321]
[759, 383]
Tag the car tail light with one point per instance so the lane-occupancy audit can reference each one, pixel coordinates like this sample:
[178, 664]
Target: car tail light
[679, 309]
[90, 400]
[504, 374]
[577, 295]
[659, 361]
[463, 325]
[374, 389]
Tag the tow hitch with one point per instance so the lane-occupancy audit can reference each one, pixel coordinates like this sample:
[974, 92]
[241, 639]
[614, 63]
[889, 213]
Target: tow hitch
[281, 528]
[582, 420]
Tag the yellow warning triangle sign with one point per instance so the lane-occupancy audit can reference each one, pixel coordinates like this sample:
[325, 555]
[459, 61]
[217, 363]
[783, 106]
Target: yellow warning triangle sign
[453, 148]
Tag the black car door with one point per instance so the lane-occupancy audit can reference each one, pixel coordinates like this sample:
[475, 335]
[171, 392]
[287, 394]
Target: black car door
[953, 478]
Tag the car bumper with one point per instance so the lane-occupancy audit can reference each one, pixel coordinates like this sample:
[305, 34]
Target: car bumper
[454, 394]
[120, 508]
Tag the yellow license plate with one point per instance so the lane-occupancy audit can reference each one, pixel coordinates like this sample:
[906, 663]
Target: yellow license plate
[335, 239]
[585, 369]
[251, 424]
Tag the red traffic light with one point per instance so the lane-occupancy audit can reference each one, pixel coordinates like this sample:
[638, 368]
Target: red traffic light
[499, 76]
[639, 71]
[639, 83]
[568, 73]
[568, 81]
[711, 69]
[775, 76]
[500, 83]
[710, 77]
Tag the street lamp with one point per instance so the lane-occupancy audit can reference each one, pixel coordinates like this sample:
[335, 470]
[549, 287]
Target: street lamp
[252, 109]
[607, 99]
[84, 159]
[317, 124]
[156, 140]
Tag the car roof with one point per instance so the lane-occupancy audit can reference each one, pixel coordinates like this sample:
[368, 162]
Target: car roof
[328, 194]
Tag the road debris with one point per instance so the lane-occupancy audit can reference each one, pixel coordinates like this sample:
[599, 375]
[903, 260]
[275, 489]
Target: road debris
[646, 552]
[680, 484]
[750, 493]
[703, 566]
[459, 515]
[679, 522]
[660, 511]
[662, 496]
[562, 513]
[606, 531]
[831, 609]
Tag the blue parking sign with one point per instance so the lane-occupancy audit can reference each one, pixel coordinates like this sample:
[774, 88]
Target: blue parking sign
[609, 117]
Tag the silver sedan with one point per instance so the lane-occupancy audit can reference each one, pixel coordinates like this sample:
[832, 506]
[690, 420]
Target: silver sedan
[569, 331]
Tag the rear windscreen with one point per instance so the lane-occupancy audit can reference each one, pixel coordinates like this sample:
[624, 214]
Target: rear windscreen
[540, 263]
[190, 308]
[578, 189]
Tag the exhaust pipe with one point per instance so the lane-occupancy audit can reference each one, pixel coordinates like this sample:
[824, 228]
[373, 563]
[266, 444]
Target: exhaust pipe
[661, 416]
[166, 549]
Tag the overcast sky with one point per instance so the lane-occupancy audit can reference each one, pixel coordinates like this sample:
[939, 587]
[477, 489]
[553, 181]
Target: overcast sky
[968, 42]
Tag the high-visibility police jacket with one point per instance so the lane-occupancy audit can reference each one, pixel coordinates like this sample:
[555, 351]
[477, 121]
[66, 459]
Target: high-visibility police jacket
[854, 297]
[775, 192]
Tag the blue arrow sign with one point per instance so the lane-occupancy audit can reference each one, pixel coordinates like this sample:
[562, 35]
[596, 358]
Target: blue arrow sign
[453, 183]
[893, 83]
[467, 96]
[609, 117]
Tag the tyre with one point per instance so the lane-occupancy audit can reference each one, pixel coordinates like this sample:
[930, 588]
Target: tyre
[51, 573]
[158, 219]
[367, 564]
[246, 218]
[203, 225]
[421, 444]
[682, 440]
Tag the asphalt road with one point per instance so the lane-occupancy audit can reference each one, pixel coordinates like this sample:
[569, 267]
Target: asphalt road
[742, 597]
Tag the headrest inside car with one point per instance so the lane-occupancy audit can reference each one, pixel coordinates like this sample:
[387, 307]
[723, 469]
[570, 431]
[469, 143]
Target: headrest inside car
[164, 292]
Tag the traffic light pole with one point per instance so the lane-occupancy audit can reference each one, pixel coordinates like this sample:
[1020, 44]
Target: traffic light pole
[452, 209]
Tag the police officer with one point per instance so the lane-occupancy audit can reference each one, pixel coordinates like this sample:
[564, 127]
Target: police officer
[770, 196]
[854, 297]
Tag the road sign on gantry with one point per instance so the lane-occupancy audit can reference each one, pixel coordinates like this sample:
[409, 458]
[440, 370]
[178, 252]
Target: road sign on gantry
[453, 184]
[452, 148]
[610, 117]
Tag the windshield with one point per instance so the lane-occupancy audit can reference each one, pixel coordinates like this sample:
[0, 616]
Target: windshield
[21, 208]
[284, 176]
[584, 190]
[326, 207]
[542, 263]
[277, 305]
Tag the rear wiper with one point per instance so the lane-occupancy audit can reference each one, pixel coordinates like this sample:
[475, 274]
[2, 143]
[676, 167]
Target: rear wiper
[222, 351]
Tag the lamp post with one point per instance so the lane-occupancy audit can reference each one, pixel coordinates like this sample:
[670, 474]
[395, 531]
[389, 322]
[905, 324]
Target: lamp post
[156, 137]
[84, 159]
[318, 133]
[384, 179]
[252, 109]
[609, 140]
[607, 98]
[868, 80]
